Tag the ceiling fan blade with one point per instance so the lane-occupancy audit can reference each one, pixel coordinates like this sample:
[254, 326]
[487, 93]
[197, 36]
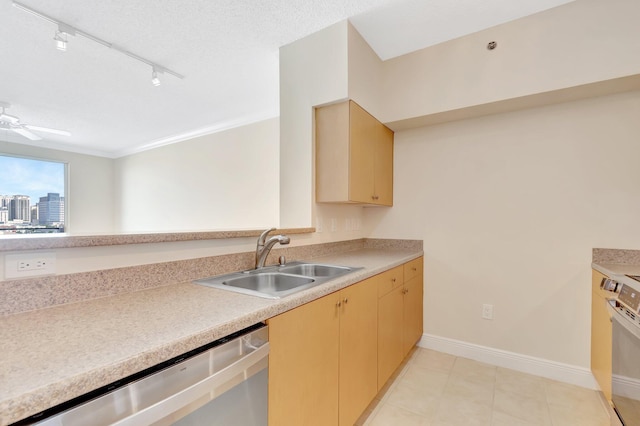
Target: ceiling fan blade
[47, 130]
[27, 134]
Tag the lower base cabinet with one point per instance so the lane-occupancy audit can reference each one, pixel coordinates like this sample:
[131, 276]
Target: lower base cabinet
[601, 336]
[323, 363]
[326, 356]
[303, 365]
[400, 292]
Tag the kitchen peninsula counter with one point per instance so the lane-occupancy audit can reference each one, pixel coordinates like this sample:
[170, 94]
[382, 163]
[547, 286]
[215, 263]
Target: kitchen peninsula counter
[55, 354]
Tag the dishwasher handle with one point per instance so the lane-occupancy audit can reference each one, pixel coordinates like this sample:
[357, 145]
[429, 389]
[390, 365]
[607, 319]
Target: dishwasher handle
[169, 405]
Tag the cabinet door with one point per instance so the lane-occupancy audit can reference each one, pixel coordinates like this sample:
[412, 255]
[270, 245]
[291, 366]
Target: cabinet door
[390, 323]
[600, 337]
[358, 348]
[412, 328]
[383, 165]
[303, 365]
[361, 159]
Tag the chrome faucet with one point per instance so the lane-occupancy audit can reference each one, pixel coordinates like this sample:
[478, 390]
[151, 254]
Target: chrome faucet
[264, 246]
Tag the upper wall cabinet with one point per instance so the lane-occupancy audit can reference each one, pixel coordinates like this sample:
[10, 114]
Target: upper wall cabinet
[354, 156]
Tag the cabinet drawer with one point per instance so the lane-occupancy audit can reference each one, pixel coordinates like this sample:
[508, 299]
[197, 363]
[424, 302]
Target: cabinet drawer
[413, 269]
[389, 280]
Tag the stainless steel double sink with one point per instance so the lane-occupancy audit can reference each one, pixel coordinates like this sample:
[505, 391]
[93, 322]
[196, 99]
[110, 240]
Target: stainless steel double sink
[275, 282]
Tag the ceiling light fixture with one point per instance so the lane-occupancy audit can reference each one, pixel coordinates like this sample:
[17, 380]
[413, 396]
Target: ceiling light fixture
[65, 29]
[61, 41]
[62, 33]
[154, 77]
[4, 117]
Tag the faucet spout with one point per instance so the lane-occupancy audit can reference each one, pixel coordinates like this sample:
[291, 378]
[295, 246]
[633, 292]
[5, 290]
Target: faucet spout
[264, 246]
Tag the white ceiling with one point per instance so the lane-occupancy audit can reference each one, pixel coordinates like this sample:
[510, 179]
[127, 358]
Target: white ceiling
[227, 49]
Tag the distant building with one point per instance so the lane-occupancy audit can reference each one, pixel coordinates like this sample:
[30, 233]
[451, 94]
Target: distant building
[34, 215]
[4, 214]
[19, 208]
[5, 201]
[51, 210]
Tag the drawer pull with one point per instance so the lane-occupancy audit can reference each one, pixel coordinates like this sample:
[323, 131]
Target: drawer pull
[346, 299]
[414, 269]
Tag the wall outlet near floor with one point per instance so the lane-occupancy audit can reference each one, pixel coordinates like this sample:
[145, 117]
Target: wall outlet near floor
[487, 311]
[23, 265]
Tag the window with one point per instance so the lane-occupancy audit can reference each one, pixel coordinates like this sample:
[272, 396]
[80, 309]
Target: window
[32, 196]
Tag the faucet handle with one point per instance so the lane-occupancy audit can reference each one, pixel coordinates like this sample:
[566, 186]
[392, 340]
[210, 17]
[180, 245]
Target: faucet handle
[262, 238]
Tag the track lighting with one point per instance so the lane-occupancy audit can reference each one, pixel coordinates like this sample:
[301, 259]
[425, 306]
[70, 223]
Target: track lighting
[61, 41]
[65, 30]
[62, 33]
[154, 77]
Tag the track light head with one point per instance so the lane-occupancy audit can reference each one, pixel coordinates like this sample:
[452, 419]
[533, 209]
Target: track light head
[61, 41]
[62, 34]
[154, 77]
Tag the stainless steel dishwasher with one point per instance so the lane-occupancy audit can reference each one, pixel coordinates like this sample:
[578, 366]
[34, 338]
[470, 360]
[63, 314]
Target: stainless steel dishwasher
[223, 383]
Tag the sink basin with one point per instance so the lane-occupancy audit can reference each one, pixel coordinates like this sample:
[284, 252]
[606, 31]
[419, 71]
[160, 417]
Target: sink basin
[268, 282]
[272, 285]
[315, 270]
[275, 282]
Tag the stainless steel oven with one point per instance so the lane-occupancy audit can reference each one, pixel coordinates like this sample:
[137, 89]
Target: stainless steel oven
[223, 383]
[625, 355]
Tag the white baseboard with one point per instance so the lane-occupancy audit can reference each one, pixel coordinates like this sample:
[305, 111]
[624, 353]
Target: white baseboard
[566, 373]
[626, 386]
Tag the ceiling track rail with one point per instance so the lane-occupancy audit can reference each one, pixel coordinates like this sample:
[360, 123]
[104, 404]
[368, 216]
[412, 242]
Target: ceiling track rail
[71, 30]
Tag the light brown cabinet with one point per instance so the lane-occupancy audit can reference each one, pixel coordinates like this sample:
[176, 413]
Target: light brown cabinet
[323, 363]
[354, 156]
[600, 336]
[412, 324]
[399, 316]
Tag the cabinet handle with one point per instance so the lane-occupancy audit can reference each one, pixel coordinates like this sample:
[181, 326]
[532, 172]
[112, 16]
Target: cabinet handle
[346, 299]
[374, 197]
[338, 304]
[405, 291]
[414, 269]
[393, 280]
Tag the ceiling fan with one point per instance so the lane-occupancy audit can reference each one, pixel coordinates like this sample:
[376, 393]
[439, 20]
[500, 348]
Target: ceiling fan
[12, 123]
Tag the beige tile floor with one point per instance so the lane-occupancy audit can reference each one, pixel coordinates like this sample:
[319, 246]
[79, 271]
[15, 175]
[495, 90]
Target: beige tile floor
[437, 389]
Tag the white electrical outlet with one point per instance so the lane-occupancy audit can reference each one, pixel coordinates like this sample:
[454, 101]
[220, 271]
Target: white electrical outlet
[487, 311]
[23, 265]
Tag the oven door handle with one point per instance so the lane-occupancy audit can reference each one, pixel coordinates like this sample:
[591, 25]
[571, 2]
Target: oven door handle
[169, 405]
[622, 319]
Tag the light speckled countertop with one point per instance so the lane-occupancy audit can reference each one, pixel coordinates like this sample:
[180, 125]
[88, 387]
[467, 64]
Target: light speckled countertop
[52, 355]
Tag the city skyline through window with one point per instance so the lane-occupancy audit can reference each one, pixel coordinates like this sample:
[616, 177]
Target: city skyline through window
[32, 195]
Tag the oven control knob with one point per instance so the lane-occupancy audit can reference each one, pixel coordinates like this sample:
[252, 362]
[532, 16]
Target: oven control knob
[609, 285]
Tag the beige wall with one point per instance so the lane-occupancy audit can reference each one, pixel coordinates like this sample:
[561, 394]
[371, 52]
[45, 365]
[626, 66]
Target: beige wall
[313, 71]
[509, 207]
[90, 188]
[224, 180]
